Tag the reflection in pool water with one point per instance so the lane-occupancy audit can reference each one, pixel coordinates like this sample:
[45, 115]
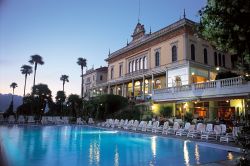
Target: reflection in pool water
[78, 145]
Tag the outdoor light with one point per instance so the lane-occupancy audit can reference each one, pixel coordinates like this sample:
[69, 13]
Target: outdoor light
[153, 81]
[192, 73]
[100, 89]
[227, 101]
[247, 75]
[217, 68]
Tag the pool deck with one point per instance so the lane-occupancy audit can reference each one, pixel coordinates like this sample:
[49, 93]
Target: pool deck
[231, 147]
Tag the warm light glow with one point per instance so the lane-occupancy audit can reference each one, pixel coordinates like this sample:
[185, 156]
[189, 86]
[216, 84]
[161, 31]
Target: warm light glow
[153, 145]
[197, 154]
[227, 101]
[185, 105]
[153, 107]
[153, 81]
[195, 102]
[186, 154]
[217, 68]
[230, 156]
[192, 73]
[247, 75]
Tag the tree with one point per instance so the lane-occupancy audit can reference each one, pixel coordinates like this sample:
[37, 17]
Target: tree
[36, 59]
[60, 99]
[83, 63]
[26, 70]
[13, 85]
[64, 78]
[75, 102]
[41, 94]
[224, 23]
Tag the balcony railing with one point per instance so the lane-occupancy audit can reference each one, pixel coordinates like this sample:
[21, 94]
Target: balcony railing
[232, 86]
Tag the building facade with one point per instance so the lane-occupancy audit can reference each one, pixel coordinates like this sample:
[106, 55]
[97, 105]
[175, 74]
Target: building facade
[173, 60]
[93, 80]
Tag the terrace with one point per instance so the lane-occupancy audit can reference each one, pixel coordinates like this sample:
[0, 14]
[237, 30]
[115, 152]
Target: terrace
[231, 87]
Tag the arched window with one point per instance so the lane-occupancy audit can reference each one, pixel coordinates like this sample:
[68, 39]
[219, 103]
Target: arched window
[141, 64]
[129, 67]
[205, 55]
[157, 58]
[137, 64]
[215, 59]
[223, 61]
[112, 73]
[157, 84]
[174, 53]
[192, 52]
[133, 66]
[145, 62]
[219, 57]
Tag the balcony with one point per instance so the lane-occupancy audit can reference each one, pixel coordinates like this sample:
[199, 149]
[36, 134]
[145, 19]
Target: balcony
[231, 87]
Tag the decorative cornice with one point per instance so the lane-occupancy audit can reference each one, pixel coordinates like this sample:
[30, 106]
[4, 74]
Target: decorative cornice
[150, 37]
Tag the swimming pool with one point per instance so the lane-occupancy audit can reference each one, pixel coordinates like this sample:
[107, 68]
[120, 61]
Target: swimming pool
[82, 145]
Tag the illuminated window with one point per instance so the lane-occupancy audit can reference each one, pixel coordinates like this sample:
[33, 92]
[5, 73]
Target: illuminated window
[157, 84]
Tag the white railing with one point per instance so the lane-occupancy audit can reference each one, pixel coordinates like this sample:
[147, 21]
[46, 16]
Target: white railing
[229, 82]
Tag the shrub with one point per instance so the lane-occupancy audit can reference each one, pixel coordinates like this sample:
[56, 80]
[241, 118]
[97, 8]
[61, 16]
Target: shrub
[188, 117]
[166, 111]
[227, 74]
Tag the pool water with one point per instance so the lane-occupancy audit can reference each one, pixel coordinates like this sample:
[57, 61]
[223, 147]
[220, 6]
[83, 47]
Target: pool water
[89, 146]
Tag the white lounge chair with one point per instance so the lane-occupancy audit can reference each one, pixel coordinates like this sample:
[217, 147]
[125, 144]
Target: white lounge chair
[91, 121]
[121, 123]
[183, 131]
[230, 137]
[21, 119]
[155, 126]
[115, 124]
[212, 134]
[11, 119]
[2, 120]
[135, 125]
[79, 121]
[65, 119]
[140, 126]
[31, 119]
[199, 129]
[164, 128]
[44, 120]
[172, 130]
[149, 126]
[129, 125]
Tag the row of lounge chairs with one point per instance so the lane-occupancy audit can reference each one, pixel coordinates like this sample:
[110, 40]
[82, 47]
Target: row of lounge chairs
[45, 120]
[202, 131]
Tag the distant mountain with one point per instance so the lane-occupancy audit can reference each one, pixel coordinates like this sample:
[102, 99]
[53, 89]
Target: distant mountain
[5, 100]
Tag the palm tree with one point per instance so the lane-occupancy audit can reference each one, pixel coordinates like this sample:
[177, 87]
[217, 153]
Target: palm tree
[36, 59]
[26, 70]
[83, 63]
[13, 85]
[64, 78]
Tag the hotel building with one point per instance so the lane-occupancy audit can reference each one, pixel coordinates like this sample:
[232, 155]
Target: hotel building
[93, 80]
[177, 68]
